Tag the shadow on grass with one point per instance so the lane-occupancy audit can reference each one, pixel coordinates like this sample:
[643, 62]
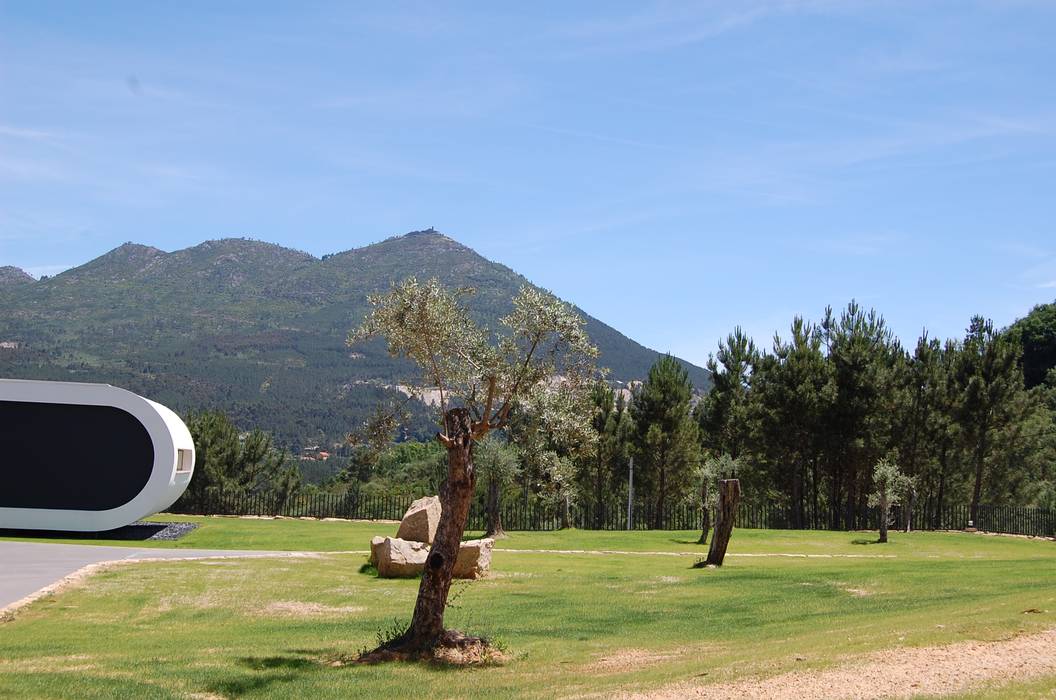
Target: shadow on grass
[276, 669]
[138, 531]
[258, 663]
[865, 541]
[678, 541]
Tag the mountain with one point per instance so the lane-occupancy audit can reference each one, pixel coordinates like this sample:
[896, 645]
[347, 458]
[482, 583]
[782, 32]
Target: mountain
[11, 276]
[253, 328]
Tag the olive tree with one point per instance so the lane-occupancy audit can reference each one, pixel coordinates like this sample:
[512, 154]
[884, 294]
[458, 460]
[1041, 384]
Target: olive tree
[890, 485]
[480, 377]
[711, 472]
[554, 433]
[498, 463]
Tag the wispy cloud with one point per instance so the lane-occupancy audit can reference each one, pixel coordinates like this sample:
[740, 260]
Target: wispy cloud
[857, 245]
[672, 26]
[26, 134]
[594, 136]
[472, 94]
[1041, 275]
[658, 29]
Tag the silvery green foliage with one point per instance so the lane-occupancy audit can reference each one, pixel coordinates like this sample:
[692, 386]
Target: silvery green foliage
[487, 372]
[713, 470]
[890, 485]
[496, 459]
[556, 432]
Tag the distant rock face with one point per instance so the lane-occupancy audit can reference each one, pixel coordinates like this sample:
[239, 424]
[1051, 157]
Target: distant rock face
[474, 558]
[420, 521]
[396, 558]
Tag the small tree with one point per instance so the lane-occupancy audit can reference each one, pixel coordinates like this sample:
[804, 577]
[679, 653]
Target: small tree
[710, 473]
[890, 486]
[480, 377]
[553, 432]
[497, 462]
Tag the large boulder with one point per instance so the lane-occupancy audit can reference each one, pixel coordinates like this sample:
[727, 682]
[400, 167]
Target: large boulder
[420, 521]
[474, 559]
[375, 544]
[396, 558]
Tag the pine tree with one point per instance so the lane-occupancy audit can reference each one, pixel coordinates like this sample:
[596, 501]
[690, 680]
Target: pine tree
[989, 379]
[863, 356]
[603, 470]
[666, 436]
[229, 464]
[723, 414]
[791, 393]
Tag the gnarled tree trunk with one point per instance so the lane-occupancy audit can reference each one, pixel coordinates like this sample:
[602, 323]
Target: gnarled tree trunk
[729, 498]
[426, 630]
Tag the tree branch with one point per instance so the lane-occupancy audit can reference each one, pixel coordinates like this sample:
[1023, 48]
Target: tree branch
[481, 428]
[504, 411]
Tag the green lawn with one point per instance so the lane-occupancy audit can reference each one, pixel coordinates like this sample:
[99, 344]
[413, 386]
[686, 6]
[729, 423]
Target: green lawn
[572, 623]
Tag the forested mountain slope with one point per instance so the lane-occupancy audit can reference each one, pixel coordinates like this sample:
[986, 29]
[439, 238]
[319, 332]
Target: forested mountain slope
[250, 328]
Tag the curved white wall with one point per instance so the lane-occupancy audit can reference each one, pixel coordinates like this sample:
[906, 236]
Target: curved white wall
[167, 433]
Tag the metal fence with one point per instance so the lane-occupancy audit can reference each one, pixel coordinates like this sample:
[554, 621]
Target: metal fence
[518, 515]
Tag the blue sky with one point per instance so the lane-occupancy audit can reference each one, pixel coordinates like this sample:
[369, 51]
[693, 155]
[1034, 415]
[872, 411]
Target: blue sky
[675, 169]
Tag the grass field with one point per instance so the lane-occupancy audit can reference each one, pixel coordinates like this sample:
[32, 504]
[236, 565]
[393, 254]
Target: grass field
[572, 623]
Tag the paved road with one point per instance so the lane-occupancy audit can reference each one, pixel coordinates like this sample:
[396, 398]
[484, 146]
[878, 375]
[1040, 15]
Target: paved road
[26, 567]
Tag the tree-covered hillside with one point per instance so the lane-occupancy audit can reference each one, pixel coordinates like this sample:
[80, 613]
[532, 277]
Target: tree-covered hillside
[251, 328]
[11, 276]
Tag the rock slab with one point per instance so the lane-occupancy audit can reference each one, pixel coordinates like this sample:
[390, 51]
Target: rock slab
[397, 558]
[375, 544]
[474, 558]
[420, 521]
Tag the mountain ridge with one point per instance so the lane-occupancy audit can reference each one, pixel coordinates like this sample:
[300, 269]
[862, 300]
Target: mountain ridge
[11, 275]
[255, 328]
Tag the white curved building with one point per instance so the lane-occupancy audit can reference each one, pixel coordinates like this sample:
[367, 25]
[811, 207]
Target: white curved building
[87, 457]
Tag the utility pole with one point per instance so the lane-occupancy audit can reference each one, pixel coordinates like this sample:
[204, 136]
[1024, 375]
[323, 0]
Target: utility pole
[630, 495]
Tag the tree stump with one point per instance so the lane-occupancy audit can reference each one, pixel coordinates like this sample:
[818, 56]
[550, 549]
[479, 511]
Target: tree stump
[729, 498]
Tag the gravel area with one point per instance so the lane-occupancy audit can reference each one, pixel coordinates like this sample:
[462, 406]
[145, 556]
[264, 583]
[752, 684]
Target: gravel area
[171, 531]
[895, 673]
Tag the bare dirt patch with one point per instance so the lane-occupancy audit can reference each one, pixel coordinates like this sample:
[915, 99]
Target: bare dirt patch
[897, 673]
[629, 660]
[72, 663]
[859, 592]
[296, 608]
